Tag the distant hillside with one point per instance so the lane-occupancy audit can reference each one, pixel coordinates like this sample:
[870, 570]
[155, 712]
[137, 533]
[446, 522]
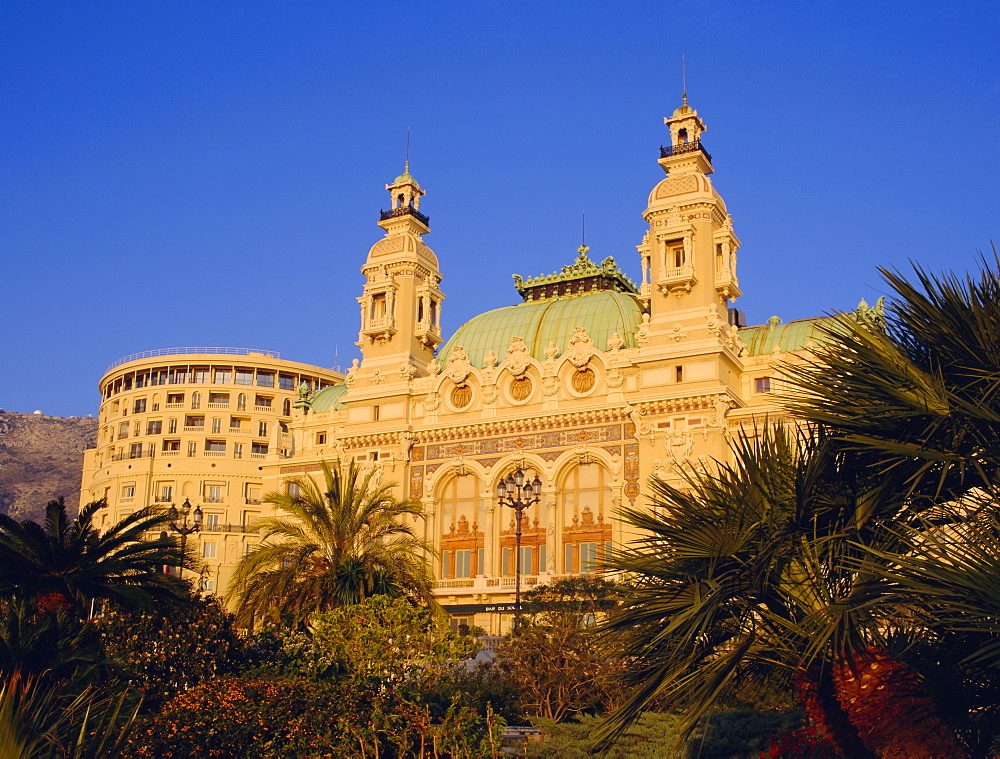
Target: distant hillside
[41, 458]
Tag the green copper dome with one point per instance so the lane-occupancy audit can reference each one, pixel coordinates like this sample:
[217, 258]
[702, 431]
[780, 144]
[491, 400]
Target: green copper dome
[600, 313]
[328, 398]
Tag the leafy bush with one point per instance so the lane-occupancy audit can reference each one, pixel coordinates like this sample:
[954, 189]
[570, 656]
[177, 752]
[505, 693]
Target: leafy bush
[163, 653]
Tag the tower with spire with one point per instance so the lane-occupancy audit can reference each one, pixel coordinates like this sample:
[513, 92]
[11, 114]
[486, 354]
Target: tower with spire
[401, 301]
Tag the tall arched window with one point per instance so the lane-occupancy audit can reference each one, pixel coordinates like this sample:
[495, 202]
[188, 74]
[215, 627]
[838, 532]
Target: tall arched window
[195, 400]
[241, 402]
[586, 503]
[286, 408]
[534, 556]
[463, 517]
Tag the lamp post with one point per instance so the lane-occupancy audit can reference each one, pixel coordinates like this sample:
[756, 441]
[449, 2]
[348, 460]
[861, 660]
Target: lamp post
[183, 529]
[513, 491]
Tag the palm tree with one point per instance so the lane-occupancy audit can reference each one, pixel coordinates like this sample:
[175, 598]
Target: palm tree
[64, 565]
[762, 570]
[343, 540]
[921, 390]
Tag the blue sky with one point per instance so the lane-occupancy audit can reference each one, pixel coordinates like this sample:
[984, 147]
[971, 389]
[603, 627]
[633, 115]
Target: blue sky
[210, 173]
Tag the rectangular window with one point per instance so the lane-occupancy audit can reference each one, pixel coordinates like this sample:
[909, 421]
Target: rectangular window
[262, 429]
[542, 566]
[192, 448]
[128, 491]
[171, 445]
[212, 521]
[445, 561]
[259, 448]
[223, 376]
[376, 412]
[678, 374]
[139, 406]
[135, 451]
[244, 376]
[505, 562]
[588, 557]
[320, 438]
[235, 422]
[215, 445]
[208, 550]
[123, 429]
[237, 450]
[172, 426]
[526, 554]
[213, 493]
[154, 427]
[762, 385]
[568, 568]
[200, 376]
[194, 421]
[218, 397]
[263, 401]
[216, 426]
[265, 379]
[286, 382]
[481, 562]
[138, 429]
[175, 397]
[463, 563]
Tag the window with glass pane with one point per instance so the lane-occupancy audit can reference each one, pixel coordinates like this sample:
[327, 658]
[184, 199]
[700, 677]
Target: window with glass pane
[568, 566]
[265, 379]
[212, 521]
[208, 550]
[505, 556]
[258, 448]
[481, 562]
[172, 426]
[463, 563]
[461, 505]
[262, 400]
[241, 403]
[199, 376]
[445, 561]
[588, 557]
[244, 376]
[192, 448]
[139, 406]
[223, 376]
[526, 554]
[154, 427]
[135, 451]
[261, 429]
[213, 493]
[542, 566]
[215, 445]
[286, 381]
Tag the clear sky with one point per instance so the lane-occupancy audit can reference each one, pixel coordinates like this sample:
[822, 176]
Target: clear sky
[210, 173]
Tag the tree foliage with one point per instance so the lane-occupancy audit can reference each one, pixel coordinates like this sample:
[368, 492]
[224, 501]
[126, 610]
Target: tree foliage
[344, 539]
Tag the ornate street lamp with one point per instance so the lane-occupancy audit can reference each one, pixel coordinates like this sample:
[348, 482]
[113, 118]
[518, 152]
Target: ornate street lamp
[513, 491]
[183, 529]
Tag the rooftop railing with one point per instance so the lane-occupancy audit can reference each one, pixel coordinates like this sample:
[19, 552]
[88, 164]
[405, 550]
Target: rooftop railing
[685, 147]
[393, 213]
[215, 351]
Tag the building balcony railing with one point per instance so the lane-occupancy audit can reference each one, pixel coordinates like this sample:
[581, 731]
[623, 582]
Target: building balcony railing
[262, 408]
[215, 453]
[666, 151]
[170, 453]
[239, 430]
[173, 405]
[394, 213]
[194, 428]
[219, 405]
[222, 527]
[258, 455]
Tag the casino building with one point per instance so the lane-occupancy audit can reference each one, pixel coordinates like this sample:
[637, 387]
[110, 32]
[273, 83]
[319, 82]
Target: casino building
[590, 382]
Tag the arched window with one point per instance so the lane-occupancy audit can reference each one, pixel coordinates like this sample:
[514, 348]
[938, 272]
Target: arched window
[286, 407]
[241, 402]
[534, 522]
[586, 505]
[463, 518]
[195, 400]
[682, 136]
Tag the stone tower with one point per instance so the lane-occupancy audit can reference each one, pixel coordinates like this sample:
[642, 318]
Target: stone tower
[401, 302]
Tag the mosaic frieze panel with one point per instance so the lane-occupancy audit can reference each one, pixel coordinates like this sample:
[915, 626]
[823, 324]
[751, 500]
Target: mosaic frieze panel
[300, 468]
[551, 439]
[416, 481]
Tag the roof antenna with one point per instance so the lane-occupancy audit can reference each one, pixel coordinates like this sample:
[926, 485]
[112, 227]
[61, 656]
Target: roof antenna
[406, 166]
[583, 228]
[684, 81]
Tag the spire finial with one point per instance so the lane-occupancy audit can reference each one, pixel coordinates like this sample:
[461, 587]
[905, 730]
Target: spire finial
[583, 228]
[406, 163]
[684, 81]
